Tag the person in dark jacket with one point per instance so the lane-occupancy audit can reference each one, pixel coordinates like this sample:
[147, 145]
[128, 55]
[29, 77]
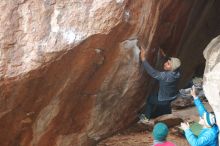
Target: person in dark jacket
[158, 103]
[209, 134]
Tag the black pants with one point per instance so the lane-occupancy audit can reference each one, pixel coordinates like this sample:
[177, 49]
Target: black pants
[155, 108]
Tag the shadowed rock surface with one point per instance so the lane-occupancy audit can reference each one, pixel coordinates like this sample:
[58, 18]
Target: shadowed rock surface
[182, 102]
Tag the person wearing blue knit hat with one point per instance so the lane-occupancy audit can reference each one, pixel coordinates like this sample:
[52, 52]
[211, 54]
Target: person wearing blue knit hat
[209, 133]
[160, 133]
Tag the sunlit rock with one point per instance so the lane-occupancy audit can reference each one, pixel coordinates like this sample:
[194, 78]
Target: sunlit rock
[212, 75]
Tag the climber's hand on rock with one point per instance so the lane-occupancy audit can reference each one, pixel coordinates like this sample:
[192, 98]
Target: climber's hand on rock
[162, 52]
[143, 58]
[193, 92]
[185, 126]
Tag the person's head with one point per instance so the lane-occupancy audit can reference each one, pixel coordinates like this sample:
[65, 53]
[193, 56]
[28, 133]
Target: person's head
[172, 64]
[207, 120]
[160, 132]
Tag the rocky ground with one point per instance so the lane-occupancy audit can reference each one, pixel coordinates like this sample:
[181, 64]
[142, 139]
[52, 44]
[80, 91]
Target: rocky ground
[140, 135]
[139, 139]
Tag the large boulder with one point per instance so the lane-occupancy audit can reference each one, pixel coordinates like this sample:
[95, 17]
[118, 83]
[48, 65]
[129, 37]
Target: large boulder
[212, 76]
[70, 71]
[182, 102]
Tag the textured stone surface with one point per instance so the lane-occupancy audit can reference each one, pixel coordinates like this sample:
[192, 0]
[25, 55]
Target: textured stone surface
[182, 102]
[69, 69]
[33, 32]
[212, 76]
[169, 119]
[202, 27]
[139, 139]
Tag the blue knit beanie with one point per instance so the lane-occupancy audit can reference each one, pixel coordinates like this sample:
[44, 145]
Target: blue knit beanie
[160, 131]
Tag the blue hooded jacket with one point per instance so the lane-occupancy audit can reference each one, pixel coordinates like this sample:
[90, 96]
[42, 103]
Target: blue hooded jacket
[167, 82]
[208, 136]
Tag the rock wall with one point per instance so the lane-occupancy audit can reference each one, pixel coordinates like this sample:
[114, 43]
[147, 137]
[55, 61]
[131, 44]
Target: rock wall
[69, 69]
[202, 27]
[212, 76]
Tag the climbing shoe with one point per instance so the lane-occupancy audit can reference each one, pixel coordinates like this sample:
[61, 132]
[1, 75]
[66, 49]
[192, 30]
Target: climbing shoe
[143, 119]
